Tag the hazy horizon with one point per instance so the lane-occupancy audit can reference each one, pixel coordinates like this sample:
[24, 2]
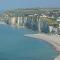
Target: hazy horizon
[12, 4]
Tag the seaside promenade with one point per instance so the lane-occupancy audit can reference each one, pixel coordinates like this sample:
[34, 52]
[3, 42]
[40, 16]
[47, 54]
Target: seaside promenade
[54, 40]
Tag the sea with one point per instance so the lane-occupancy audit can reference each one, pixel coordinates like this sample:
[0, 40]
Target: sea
[15, 46]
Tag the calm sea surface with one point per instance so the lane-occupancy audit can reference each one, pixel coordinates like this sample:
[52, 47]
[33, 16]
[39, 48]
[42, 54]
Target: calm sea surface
[14, 46]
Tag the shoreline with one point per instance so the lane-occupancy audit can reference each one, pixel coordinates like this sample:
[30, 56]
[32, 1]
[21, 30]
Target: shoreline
[54, 40]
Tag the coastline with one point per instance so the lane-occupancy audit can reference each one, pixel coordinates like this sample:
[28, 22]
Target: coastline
[52, 39]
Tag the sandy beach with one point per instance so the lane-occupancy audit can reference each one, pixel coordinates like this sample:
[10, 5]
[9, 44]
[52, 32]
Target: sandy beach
[50, 38]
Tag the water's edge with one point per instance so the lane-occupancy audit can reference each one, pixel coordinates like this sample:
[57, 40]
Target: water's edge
[47, 39]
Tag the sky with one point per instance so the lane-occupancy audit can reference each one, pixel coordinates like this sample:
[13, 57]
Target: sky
[10, 4]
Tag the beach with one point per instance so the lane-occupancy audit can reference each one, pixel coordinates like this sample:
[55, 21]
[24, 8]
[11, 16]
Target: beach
[54, 40]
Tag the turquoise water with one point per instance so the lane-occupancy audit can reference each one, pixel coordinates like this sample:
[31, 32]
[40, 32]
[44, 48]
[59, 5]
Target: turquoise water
[14, 46]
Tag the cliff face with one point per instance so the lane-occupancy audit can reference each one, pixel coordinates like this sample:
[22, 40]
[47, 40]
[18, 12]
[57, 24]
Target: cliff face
[30, 18]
